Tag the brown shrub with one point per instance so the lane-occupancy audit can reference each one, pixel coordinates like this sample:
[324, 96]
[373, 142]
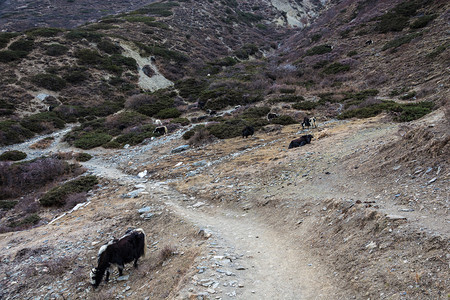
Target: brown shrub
[166, 253]
[135, 101]
[201, 137]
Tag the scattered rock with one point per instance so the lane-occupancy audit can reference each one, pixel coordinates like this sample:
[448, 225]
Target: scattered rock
[123, 278]
[142, 174]
[180, 149]
[395, 217]
[198, 204]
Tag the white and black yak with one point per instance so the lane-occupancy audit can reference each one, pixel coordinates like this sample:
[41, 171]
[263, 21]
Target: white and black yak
[127, 249]
[303, 140]
[307, 122]
[162, 130]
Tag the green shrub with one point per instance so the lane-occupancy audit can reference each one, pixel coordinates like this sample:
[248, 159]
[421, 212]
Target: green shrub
[228, 129]
[288, 99]
[409, 95]
[287, 90]
[8, 204]
[5, 37]
[414, 111]
[83, 157]
[163, 52]
[403, 112]
[284, 120]
[57, 196]
[77, 34]
[25, 45]
[181, 121]
[352, 53]
[397, 18]
[400, 41]
[168, 113]
[391, 22]
[89, 57]
[437, 51]
[7, 56]
[335, 68]
[45, 32]
[102, 26]
[13, 155]
[256, 112]
[91, 140]
[49, 81]
[305, 105]
[55, 50]
[316, 37]
[109, 47]
[77, 76]
[224, 62]
[42, 121]
[191, 88]
[317, 50]
[422, 21]
[246, 51]
[321, 64]
[28, 220]
[11, 132]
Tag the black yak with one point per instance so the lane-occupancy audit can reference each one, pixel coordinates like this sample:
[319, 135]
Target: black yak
[119, 252]
[249, 130]
[303, 140]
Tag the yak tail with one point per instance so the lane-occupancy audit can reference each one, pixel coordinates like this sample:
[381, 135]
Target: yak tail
[145, 240]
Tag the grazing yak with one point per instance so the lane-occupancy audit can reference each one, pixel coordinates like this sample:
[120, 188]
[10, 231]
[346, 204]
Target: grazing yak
[249, 130]
[119, 252]
[303, 140]
[162, 130]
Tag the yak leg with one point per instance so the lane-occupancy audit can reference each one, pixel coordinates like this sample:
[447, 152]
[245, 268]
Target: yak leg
[107, 275]
[135, 262]
[120, 267]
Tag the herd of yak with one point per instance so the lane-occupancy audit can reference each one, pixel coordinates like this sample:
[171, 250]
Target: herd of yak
[133, 244]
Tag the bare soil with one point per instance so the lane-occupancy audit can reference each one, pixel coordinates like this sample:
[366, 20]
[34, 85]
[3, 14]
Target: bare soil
[361, 212]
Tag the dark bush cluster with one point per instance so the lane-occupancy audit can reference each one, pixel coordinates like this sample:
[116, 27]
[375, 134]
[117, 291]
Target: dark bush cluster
[78, 34]
[318, 50]
[398, 18]
[400, 41]
[83, 157]
[45, 32]
[335, 68]
[49, 81]
[305, 105]
[109, 47]
[401, 112]
[41, 122]
[163, 52]
[57, 196]
[191, 88]
[13, 155]
[17, 50]
[5, 37]
[422, 21]
[56, 49]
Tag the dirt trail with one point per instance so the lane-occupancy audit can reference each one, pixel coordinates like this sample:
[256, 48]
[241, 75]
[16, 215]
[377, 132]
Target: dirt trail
[276, 265]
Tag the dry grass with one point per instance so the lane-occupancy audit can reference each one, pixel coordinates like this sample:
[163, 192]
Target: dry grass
[43, 144]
